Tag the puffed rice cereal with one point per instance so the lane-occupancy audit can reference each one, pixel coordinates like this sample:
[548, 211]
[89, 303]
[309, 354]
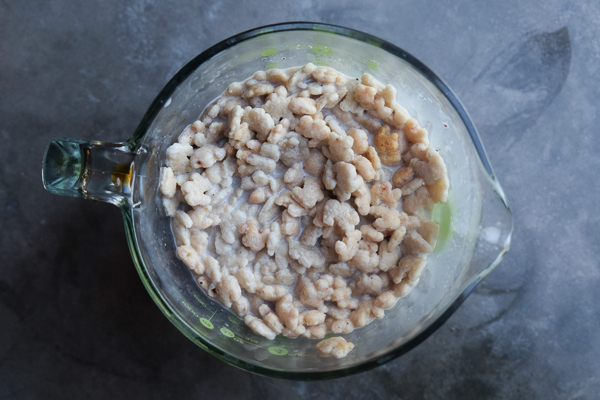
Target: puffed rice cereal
[298, 199]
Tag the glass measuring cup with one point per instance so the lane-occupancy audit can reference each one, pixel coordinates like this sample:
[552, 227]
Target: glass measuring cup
[476, 223]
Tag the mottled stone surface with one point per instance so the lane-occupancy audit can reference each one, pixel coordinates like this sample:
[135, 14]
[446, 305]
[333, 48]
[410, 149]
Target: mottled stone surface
[76, 321]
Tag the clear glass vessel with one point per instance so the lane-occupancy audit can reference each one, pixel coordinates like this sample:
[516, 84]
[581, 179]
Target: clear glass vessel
[476, 223]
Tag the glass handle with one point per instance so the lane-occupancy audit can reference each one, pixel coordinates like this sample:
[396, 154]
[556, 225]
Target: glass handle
[91, 170]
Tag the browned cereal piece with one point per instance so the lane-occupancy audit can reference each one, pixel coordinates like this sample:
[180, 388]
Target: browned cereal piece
[385, 141]
[439, 190]
[372, 156]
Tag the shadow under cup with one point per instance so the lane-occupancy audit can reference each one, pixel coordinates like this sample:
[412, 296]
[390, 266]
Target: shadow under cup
[476, 221]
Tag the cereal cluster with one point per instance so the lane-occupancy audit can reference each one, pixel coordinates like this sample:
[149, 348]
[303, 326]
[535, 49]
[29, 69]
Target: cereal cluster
[297, 200]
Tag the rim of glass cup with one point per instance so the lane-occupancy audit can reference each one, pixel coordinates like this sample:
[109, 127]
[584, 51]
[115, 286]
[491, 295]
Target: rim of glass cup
[187, 330]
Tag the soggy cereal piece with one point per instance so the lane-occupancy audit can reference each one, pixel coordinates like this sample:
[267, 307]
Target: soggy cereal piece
[290, 226]
[277, 76]
[371, 233]
[306, 257]
[247, 279]
[170, 205]
[382, 193]
[362, 197]
[178, 157]
[190, 258]
[347, 180]
[348, 304]
[429, 231]
[369, 80]
[207, 156]
[202, 217]
[341, 269]
[342, 214]
[402, 176]
[386, 141]
[286, 311]
[337, 313]
[342, 326]
[372, 156]
[439, 190]
[365, 95]
[309, 194]
[336, 346]
[414, 243]
[361, 140]
[273, 238]
[387, 219]
[194, 190]
[364, 168]
[277, 106]
[252, 237]
[269, 211]
[303, 106]
[258, 89]
[229, 290]
[340, 146]
[259, 121]
[241, 307]
[315, 332]
[259, 327]
[348, 246]
[414, 133]
[294, 175]
[168, 184]
[273, 322]
[432, 170]
[313, 294]
[272, 292]
[315, 163]
[396, 238]
[365, 260]
[412, 186]
[385, 300]
[413, 203]
[312, 317]
[271, 151]
[294, 149]
[182, 219]
[408, 270]
[265, 164]
[327, 75]
[391, 159]
[310, 235]
[314, 129]
[329, 176]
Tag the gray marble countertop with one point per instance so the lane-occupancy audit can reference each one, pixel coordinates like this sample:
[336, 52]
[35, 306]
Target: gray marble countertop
[76, 321]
